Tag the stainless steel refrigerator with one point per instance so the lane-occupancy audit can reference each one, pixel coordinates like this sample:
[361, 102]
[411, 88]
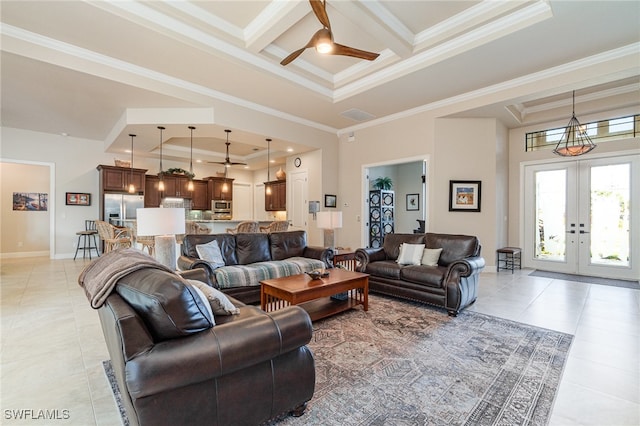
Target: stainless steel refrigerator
[119, 207]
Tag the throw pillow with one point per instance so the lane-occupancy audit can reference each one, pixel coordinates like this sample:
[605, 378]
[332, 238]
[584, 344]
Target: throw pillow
[220, 303]
[211, 253]
[410, 254]
[430, 257]
[205, 301]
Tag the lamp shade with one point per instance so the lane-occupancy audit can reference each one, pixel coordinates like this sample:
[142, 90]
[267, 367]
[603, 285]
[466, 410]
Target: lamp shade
[160, 221]
[329, 220]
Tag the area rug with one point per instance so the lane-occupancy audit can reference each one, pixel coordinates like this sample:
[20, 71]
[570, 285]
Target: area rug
[586, 279]
[404, 363]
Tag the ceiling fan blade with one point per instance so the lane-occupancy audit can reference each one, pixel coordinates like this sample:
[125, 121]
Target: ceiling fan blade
[339, 49]
[320, 9]
[292, 56]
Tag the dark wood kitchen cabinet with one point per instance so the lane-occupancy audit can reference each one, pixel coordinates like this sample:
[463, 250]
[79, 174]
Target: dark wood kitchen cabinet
[277, 200]
[200, 198]
[152, 196]
[216, 186]
[117, 179]
[176, 186]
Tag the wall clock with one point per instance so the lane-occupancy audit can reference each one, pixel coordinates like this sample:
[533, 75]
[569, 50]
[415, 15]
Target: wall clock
[297, 162]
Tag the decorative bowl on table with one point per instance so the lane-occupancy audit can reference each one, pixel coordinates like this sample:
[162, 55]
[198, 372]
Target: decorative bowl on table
[316, 274]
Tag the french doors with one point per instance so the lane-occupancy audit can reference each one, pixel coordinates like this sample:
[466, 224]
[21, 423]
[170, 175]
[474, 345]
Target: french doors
[582, 217]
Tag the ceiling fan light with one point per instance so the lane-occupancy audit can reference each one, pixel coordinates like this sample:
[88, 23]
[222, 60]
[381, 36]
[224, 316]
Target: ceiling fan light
[323, 47]
[324, 42]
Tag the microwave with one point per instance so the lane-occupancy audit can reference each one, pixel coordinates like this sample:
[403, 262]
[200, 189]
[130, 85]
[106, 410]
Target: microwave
[221, 206]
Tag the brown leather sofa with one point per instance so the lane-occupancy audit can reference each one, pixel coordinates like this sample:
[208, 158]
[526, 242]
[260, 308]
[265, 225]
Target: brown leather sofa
[246, 369]
[452, 283]
[252, 257]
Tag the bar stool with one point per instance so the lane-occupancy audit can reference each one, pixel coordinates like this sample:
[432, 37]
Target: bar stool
[89, 232]
[510, 257]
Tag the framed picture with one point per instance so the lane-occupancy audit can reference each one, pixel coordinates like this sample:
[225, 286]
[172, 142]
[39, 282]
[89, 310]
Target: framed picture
[330, 200]
[30, 201]
[464, 195]
[413, 202]
[78, 199]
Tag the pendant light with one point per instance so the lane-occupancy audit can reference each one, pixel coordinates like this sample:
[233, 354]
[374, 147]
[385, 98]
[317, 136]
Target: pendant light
[268, 188]
[161, 174]
[190, 184]
[575, 140]
[132, 188]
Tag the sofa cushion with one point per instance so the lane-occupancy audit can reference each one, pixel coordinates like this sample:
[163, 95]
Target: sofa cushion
[252, 247]
[410, 254]
[211, 253]
[384, 269]
[251, 275]
[219, 302]
[169, 307]
[430, 257]
[305, 264]
[226, 243]
[391, 244]
[287, 244]
[430, 276]
[454, 247]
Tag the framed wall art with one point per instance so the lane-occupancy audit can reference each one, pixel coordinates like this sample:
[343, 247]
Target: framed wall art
[413, 202]
[30, 201]
[78, 199]
[330, 200]
[464, 195]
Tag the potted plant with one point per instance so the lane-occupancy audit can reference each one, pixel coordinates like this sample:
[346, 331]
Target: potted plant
[383, 183]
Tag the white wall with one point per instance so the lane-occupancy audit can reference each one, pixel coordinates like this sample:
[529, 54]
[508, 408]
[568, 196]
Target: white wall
[23, 233]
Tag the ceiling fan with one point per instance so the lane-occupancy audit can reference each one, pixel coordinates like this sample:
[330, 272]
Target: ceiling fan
[322, 40]
[227, 162]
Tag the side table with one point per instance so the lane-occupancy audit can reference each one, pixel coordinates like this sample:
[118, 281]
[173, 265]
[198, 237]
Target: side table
[346, 258]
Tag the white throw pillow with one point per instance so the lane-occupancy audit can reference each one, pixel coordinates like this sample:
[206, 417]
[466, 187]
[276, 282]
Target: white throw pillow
[205, 302]
[410, 254]
[430, 257]
[220, 303]
[211, 253]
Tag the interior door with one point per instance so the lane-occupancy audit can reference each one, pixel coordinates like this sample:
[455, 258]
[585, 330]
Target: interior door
[579, 217]
[298, 208]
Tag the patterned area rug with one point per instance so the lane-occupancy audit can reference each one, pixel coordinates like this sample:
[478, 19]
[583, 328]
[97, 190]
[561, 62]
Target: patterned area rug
[405, 363]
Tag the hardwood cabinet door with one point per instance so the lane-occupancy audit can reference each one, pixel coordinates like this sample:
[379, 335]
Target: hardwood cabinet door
[200, 199]
[277, 200]
[113, 180]
[137, 178]
[151, 192]
[216, 186]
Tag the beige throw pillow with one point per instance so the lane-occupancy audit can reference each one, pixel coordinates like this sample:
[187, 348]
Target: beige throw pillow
[220, 303]
[430, 257]
[410, 254]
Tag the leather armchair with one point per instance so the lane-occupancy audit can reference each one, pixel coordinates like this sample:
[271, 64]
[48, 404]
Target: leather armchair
[245, 370]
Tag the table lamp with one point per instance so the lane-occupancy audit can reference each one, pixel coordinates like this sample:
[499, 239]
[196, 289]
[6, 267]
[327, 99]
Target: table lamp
[329, 221]
[163, 224]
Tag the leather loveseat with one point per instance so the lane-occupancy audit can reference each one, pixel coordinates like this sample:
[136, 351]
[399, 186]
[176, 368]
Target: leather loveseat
[248, 258]
[171, 370]
[451, 283]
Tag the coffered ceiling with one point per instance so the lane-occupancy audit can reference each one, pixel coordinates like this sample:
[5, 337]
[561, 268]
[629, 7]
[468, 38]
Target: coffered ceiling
[103, 69]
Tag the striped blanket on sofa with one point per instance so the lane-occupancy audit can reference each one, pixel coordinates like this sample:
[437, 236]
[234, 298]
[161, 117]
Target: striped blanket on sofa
[252, 274]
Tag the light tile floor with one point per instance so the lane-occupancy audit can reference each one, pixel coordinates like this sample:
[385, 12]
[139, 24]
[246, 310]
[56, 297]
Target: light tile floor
[52, 345]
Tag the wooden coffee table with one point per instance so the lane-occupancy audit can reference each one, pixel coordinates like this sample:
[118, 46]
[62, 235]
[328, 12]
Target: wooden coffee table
[315, 295]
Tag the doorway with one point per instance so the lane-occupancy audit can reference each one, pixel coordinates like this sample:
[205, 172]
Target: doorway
[578, 217]
[409, 206]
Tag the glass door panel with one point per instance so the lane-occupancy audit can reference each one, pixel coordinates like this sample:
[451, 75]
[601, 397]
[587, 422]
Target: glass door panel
[550, 214]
